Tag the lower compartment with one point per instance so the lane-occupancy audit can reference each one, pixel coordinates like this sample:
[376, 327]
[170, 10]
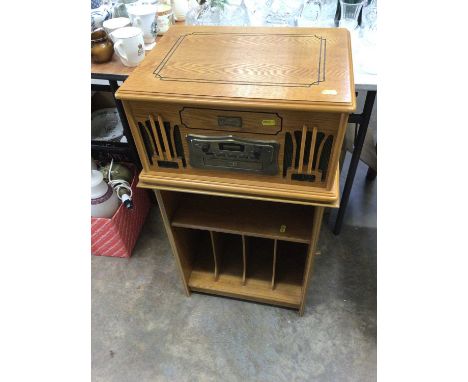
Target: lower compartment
[256, 291]
[251, 268]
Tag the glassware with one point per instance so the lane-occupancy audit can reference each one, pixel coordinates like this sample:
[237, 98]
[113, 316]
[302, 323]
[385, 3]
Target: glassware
[349, 13]
[309, 13]
[282, 12]
[255, 11]
[369, 17]
[327, 15]
[320, 13]
[219, 12]
[368, 40]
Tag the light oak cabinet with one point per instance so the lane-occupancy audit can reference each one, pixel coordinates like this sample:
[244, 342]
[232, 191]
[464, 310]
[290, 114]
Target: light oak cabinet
[239, 131]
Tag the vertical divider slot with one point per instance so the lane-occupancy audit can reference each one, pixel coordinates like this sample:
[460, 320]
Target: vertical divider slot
[244, 258]
[275, 246]
[216, 246]
[290, 263]
[260, 253]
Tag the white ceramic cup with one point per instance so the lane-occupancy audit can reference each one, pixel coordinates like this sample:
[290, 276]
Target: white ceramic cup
[180, 9]
[144, 17]
[129, 45]
[114, 24]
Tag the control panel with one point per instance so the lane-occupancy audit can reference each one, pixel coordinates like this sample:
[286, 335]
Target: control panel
[231, 153]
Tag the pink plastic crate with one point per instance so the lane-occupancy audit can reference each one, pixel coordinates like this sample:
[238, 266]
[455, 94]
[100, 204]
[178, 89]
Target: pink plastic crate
[117, 236]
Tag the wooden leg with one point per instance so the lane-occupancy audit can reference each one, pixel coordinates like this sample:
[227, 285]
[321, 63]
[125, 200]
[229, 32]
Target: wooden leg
[317, 224]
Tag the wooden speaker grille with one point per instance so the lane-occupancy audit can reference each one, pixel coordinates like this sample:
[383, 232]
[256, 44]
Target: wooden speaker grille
[306, 155]
[162, 143]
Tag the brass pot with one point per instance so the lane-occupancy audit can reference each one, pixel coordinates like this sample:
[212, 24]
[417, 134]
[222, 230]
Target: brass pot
[102, 47]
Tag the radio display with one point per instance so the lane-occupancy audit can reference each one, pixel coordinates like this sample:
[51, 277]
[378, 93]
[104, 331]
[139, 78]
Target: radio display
[231, 146]
[230, 122]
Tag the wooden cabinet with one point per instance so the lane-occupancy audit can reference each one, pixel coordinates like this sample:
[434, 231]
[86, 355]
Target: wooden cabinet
[250, 249]
[239, 130]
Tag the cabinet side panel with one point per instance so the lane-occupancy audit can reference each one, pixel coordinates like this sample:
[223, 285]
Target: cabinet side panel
[168, 202]
[136, 136]
[317, 224]
[336, 150]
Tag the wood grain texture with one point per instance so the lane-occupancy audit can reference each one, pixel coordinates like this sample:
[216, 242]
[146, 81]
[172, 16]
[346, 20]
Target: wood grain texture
[317, 224]
[241, 188]
[326, 123]
[302, 149]
[156, 137]
[243, 234]
[178, 243]
[255, 289]
[237, 259]
[167, 150]
[113, 67]
[312, 151]
[251, 122]
[336, 149]
[289, 68]
[244, 216]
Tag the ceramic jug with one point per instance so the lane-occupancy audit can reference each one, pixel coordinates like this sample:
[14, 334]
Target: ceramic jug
[102, 48]
[104, 200]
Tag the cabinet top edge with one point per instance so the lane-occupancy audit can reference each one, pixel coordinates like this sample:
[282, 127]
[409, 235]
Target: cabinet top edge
[297, 68]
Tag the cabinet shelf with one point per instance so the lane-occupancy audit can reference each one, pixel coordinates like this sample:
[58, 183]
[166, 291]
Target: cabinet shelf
[234, 247]
[229, 215]
[284, 294]
[218, 267]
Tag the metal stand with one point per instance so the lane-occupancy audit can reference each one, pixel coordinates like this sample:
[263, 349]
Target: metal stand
[363, 121]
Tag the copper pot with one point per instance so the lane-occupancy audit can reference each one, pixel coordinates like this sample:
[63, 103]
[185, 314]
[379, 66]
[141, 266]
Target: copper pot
[102, 47]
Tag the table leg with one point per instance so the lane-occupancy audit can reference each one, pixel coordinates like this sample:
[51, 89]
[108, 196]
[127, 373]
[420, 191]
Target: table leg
[363, 125]
[126, 128]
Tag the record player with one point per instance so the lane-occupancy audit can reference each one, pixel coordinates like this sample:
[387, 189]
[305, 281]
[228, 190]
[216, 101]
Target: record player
[255, 112]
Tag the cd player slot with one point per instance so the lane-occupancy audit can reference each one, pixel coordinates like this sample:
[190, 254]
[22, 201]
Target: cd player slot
[231, 153]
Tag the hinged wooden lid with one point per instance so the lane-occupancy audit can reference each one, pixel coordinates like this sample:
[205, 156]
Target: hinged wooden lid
[292, 68]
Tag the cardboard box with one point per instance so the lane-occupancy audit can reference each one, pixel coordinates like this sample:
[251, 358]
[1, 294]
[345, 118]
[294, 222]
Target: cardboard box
[117, 236]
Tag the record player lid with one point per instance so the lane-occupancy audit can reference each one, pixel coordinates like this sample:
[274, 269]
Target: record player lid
[292, 68]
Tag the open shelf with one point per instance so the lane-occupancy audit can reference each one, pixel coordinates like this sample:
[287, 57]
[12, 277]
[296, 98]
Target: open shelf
[221, 265]
[233, 247]
[244, 217]
[257, 290]
[290, 264]
[230, 257]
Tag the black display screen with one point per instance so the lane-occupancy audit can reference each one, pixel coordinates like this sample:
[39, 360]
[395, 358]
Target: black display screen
[231, 147]
[230, 122]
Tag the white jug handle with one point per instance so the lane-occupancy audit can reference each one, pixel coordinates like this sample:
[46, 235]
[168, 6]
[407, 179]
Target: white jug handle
[137, 21]
[119, 51]
[111, 36]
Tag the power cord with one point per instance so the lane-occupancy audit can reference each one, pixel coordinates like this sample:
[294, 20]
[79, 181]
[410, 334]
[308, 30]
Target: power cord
[120, 184]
